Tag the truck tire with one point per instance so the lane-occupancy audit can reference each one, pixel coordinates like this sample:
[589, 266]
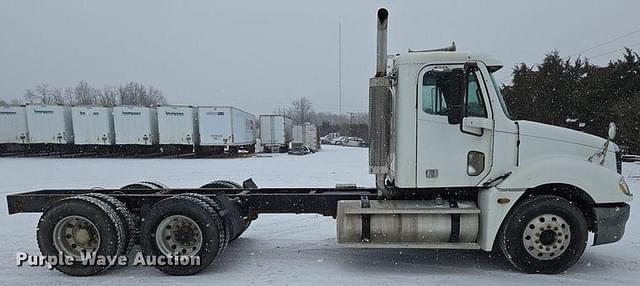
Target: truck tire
[543, 234]
[186, 226]
[225, 184]
[219, 208]
[234, 184]
[219, 184]
[145, 185]
[158, 185]
[128, 219]
[76, 225]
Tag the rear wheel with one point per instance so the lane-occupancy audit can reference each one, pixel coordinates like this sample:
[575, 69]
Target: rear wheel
[219, 208]
[145, 185]
[544, 234]
[79, 227]
[245, 221]
[182, 229]
[129, 220]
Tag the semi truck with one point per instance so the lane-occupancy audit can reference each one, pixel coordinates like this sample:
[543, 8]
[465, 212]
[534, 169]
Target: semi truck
[452, 171]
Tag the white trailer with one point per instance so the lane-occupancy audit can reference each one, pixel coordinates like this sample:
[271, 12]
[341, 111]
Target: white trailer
[13, 125]
[307, 134]
[93, 125]
[226, 126]
[135, 125]
[49, 124]
[178, 125]
[275, 132]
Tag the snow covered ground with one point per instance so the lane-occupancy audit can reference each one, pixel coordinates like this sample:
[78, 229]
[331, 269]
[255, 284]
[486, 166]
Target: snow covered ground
[285, 249]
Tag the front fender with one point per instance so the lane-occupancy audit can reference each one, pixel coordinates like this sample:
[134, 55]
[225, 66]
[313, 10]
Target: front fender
[600, 183]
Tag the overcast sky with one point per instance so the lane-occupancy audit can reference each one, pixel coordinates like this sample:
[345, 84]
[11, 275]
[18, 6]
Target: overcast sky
[260, 55]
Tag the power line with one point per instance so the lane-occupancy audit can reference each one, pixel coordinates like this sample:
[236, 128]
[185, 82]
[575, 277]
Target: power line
[606, 43]
[613, 51]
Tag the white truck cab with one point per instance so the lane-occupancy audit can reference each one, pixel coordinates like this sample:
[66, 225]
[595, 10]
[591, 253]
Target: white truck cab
[454, 170]
[433, 147]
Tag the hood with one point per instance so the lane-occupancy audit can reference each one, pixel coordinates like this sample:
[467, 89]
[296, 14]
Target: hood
[555, 133]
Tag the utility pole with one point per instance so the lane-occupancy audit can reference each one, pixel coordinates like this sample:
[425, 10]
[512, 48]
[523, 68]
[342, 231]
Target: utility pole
[351, 114]
[340, 67]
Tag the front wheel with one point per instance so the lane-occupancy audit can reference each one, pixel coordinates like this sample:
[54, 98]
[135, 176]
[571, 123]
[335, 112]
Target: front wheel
[543, 234]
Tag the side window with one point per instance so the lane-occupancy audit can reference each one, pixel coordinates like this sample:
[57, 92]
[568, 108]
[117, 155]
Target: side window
[439, 87]
[475, 104]
[436, 90]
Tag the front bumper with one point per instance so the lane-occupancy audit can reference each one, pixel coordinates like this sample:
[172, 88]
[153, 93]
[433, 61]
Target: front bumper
[610, 221]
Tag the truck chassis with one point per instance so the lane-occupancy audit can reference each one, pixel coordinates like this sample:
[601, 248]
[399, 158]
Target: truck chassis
[234, 204]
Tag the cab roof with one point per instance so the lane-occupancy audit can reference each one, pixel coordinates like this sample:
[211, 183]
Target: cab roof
[443, 57]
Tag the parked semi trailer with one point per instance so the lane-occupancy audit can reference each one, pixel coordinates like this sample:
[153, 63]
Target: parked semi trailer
[50, 127]
[93, 127]
[307, 134]
[178, 127]
[136, 127]
[226, 127]
[276, 132]
[452, 169]
[13, 128]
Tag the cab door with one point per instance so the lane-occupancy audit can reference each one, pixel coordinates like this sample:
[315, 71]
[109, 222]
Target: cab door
[452, 153]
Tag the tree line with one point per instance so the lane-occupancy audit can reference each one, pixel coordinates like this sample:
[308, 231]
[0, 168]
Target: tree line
[351, 124]
[576, 94]
[131, 93]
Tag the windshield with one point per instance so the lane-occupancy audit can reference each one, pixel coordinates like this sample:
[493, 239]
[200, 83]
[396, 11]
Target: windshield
[500, 98]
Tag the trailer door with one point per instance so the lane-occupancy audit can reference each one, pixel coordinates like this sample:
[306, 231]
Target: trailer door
[447, 156]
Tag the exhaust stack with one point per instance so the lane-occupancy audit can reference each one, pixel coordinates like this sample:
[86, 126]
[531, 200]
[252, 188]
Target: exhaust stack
[380, 109]
[381, 43]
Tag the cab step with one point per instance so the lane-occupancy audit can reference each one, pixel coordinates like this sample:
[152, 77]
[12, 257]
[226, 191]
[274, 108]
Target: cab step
[409, 245]
[426, 211]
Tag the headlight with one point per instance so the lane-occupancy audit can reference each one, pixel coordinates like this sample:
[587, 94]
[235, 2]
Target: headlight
[624, 188]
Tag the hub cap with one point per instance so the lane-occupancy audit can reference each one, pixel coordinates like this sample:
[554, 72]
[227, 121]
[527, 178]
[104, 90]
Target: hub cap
[178, 235]
[546, 236]
[76, 236]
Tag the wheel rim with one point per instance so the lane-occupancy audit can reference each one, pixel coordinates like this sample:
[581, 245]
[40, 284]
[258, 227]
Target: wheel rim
[546, 236]
[178, 235]
[76, 236]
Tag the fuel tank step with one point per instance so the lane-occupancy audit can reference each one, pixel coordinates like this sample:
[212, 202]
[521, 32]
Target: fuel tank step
[408, 245]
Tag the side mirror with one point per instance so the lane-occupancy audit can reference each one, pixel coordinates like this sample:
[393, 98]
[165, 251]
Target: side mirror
[612, 131]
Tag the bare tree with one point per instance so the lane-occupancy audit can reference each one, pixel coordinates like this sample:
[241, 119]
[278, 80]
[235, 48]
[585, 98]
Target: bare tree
[84, 93]
[301, 110]
[281, 111]
[57, 96]
[69, 95]
[134, 93]
[155, 96]
[2, 102]
[40, 94]
[108, 96]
